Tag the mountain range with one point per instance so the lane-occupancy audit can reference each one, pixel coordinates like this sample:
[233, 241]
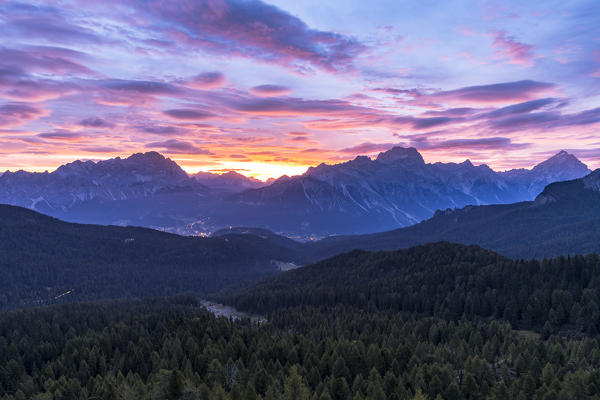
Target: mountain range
[562, 220]
[364, 195]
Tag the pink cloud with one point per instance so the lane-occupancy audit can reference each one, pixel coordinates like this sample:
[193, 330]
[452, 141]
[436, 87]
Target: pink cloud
[270, 90]
[175, 146]
[188, 114]
[206, 80]
[507, 47]
[16, 114]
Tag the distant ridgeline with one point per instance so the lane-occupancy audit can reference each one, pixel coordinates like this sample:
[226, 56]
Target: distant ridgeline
[364, 195]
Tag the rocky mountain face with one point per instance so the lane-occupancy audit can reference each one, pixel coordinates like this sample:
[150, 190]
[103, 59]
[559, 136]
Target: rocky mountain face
[564, 219]
[139, 190]
[395, 189]
[141, 175]
[229, 182]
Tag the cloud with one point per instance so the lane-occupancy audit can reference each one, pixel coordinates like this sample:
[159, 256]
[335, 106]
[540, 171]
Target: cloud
[520, 108]
[297, 133]
[544, 120]
[45, 59]
[159, 129]
[175, 146]
[61, 134]
[15, 114]
[498, 92]
[270, 90]
[142, 87]
[33, 89]
[452, 112]
[100, 149]
[507, 47]
[95, 122]
[188, 114]
[426, 123]
[206, 80]
[299, 139]
[586, 117]
[367, 147]
[296, 106]
[489, 143]
[45, 23]
[399, 92]
[254, 29]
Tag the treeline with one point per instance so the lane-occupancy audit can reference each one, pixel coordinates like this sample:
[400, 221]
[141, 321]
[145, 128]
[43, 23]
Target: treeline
[173, 349]
[447, 281]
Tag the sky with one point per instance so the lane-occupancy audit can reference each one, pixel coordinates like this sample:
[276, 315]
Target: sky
[270, 88]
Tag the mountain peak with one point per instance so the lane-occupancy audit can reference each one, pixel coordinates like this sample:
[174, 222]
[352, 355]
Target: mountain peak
[153, 160]
[563, 163]
[403, 155]
[150, 157]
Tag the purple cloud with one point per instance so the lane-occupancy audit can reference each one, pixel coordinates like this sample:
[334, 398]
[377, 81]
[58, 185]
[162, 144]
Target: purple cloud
[544, 120]
[158, 129]
[255, 29]
[43, 22]
[43, 58]
[425, 123]
[270, 90]
[188, 114]
[586, 117]
[14, 114]
[477, 144]
[498, 92]
[61, 134]
[95, 122]
[175, 146]
[142, 87]
[520, 108]
[296, 106]
[420, 123]
[206, 80]
[509, 48]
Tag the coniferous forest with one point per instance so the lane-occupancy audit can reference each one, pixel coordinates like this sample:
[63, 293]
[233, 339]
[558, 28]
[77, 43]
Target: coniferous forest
[440, 321]
[174, 349]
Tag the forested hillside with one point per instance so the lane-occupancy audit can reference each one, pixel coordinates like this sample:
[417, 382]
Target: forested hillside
[173, 349]
[42, 258]
[447, 281]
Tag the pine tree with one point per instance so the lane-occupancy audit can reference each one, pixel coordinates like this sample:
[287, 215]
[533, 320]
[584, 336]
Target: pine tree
[294, 389]
[175, 387]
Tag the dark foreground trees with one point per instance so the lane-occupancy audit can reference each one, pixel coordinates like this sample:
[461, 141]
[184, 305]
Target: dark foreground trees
[169, 349]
